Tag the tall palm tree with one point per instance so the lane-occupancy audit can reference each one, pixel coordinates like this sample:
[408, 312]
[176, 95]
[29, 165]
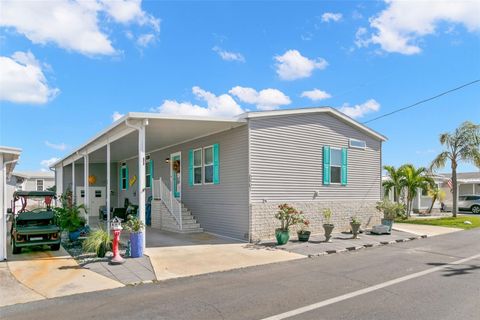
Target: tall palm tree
[394, 183]
[461, 145]
[412, 180]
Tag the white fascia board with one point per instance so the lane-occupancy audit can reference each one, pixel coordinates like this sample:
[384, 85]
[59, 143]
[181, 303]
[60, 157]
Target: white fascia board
[333, 111]
[10, 150]
[73, 156]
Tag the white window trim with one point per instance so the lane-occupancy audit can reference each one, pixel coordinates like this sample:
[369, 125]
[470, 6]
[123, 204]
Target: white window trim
[340, 166]
[122, 165]
[147, 173]
[36, 184]
[200, 166]
[357, 147]
[203, 163]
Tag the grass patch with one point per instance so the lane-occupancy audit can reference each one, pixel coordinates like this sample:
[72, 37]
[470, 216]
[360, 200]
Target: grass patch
[451, 222]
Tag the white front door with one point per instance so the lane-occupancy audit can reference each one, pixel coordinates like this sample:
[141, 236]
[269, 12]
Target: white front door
[176, 174]
[97, 196]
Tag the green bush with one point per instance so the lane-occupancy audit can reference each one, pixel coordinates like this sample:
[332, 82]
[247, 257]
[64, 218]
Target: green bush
[68, 217]
[98, 241]
[392, 210]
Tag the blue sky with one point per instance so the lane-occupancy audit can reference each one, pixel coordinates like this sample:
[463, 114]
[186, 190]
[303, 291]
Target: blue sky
[67, 67]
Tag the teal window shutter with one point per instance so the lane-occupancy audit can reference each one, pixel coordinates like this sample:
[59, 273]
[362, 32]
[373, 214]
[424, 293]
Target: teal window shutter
[121, 178]
[326, 165]
[190, 167]
[216, 164]
[344, 166]
[128, 180]
[151, 173]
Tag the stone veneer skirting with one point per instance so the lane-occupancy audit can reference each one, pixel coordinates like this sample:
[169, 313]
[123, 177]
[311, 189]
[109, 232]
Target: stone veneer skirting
[263, 222]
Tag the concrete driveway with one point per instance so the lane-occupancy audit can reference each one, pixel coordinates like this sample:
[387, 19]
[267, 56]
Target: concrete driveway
[175, 255]
[54, 273]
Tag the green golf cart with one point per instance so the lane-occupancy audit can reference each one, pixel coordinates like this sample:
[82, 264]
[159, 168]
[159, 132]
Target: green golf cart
[35, 227]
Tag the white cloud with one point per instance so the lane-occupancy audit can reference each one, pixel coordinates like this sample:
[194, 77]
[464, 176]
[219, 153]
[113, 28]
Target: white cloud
[145, 39]
[228, 55]
[360, 110]
[266, 99]
[316, 95]
[116, 115]
[401, 25]
[217, 106]
[23, 81]
[59, 146]
[48, 162]
[72, 25]
[292, 65]
[330, 16]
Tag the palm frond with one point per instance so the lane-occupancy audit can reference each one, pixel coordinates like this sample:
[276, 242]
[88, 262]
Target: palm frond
[440, 160]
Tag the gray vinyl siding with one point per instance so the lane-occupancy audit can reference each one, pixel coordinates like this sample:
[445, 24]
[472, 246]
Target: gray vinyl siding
[221, 208]
[286, 159]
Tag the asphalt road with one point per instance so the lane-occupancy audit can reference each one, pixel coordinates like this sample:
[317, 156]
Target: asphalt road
[451, 291]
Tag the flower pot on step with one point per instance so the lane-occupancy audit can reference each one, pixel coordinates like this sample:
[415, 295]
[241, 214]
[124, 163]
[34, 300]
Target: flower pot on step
[282, 236]
[328, 227]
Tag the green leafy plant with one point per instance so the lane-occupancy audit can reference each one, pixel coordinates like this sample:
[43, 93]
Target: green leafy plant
[413, 180]
[98, 241]
[303, 226]
[436, 194]
[68, 217]
[391, 210]
[327, 215]
[133, 224]
[355, 220]
[288, 216]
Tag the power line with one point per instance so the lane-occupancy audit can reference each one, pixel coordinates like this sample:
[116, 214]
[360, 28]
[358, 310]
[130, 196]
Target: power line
[423, 101]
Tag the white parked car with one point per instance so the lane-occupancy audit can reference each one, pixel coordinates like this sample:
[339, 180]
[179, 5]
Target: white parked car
[469, 202]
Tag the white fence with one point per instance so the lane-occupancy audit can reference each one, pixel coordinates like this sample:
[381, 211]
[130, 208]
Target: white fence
[162, 192]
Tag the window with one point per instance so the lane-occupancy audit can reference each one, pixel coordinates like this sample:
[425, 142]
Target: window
[148, 172]
[335, 165]
[197, 166]
[124, 176]
[98, 193]
[208, 164]
[359, 144]
[82, 193]
[40, 185]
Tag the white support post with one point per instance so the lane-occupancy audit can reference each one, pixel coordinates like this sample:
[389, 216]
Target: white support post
[108, 188]
[86, 187]
[74, 196]
[141, 175]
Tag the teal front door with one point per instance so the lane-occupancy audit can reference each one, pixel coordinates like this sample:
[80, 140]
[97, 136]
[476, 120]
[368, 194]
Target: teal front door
[176, 174]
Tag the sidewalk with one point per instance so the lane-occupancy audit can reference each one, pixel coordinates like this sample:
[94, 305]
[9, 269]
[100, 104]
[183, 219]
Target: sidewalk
[420, 229]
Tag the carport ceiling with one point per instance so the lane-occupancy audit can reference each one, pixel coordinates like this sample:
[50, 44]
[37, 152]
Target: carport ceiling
[161, 133]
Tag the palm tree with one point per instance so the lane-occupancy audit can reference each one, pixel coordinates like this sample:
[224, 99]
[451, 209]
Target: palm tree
[394, 183]
[412, 180]
[436, 194]
[461, 145]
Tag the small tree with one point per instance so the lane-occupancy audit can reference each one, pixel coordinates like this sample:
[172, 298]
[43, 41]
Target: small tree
[461, 145]
[288, 216]
[394, 183]
[436, 194]
[412, 180]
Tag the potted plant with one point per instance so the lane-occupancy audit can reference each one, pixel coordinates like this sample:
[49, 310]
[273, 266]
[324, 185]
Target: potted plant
[303, 234]
[69, 219]
[327, 226]
[355, 225]
[99, 241]
[391, 210]
[135, 226]
[288, 216]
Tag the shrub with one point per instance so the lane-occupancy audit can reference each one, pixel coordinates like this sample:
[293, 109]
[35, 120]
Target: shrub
[391, 210]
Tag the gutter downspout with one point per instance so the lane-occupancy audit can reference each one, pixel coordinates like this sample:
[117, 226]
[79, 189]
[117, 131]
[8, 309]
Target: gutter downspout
[4, 213]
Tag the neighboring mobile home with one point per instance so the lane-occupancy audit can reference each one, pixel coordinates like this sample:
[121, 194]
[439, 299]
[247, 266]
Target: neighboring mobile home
[29, 181]
[227, 176]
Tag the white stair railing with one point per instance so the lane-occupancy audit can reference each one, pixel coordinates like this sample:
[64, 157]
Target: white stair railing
[163, 193]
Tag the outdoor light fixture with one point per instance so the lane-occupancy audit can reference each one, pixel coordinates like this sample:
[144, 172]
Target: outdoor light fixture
[167, 160]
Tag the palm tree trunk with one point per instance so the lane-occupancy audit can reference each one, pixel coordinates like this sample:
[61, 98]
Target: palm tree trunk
[455, 190]
[431, 205]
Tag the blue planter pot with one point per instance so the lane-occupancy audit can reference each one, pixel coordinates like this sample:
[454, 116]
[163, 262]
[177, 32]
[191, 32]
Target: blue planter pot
[388, 223]
[136, 245]
[73, 235]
